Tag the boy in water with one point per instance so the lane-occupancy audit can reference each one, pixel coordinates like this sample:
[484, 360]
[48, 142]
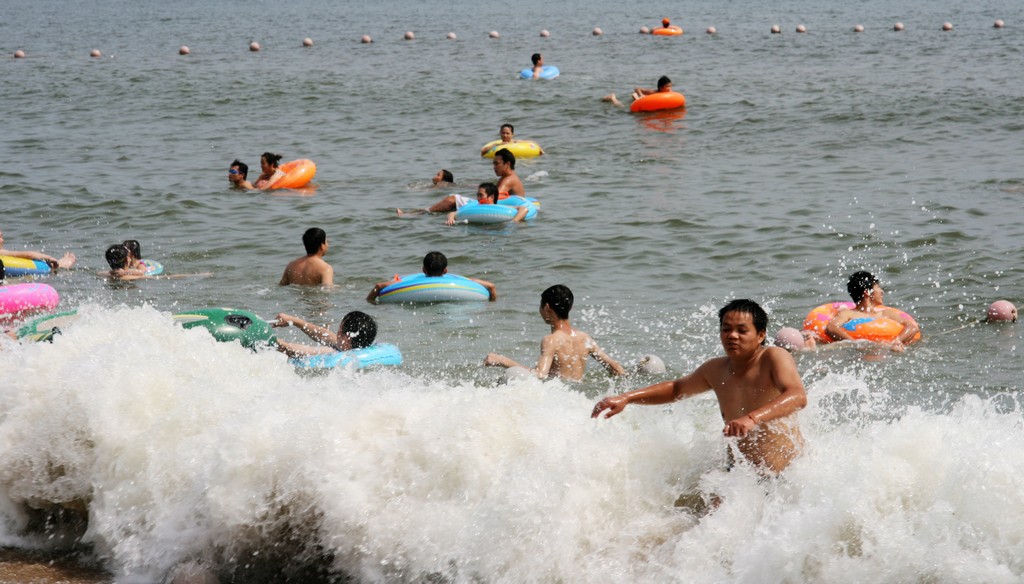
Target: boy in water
[310, 269]
[664, 85]
[564, 352]
[868, 294]
[758, 389]
[435, 264]
[356, 331]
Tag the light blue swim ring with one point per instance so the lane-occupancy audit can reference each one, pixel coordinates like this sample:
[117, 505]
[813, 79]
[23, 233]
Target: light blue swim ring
[17, 267]
[153, 268]
[546, 72]
[380, 354]
[503, 212]
[422, 288]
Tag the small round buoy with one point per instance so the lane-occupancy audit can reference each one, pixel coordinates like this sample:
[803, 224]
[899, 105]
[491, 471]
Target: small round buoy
[544, 33]
[645, 30]
[801, 28]
[307, 42]
[947, 26]
[597, 31]
[409, 36]
[19, 54]
[494, 34]
[898, 26]
[650, 365]
[858, 28]
[451, 36]
[95, 53]
[789, 338]
[776, 29]
[254, 46]
[712, 30]
[184, 50]
[1002, 311]
[365, 39]
[997, 24]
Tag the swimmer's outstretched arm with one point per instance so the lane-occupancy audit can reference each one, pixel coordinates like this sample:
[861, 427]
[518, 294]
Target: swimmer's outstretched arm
[492, 291]
[320, 334]
[496, 360]
[659, 393]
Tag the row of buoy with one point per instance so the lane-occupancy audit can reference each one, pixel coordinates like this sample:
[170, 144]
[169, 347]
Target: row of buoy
[409, 35]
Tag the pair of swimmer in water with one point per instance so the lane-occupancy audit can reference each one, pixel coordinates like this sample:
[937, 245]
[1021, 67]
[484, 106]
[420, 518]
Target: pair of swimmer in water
[509, 184]
[270, 163]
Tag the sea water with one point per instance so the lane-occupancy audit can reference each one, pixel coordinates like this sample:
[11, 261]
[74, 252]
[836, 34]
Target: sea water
[800, 159]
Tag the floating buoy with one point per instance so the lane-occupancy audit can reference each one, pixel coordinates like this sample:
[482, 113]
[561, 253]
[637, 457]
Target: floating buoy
[19, 54]
[645, 30]
[409, 36]
[95, 53]
[307, 42]
[184, 50]
[254, 46]
[801, 28]
[597, 31]
[545, 33]
[650, 365]
[858, 28]
[494, 34]
[997, 24]
[789, 338]
[451, 36]
[712, 30]
[1002, 311]
[365, 39]
[776, 29]
[898, 26]
[947, 26]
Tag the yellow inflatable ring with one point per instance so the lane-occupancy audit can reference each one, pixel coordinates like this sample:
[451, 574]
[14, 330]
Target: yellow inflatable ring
[518, 148]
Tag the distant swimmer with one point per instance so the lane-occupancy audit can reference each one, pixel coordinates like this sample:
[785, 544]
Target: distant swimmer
[506, 135]
[563, 352]
[270, 164]
[238, 175]
[486, 194]
[310, 269]
[443, 179]
[758, 389]
[508, 181]
[356, 331]
[867, 293]
[538, 64]
[664, 86]
[66, 261]
[118, 258]
[435, 265]
[134, 254]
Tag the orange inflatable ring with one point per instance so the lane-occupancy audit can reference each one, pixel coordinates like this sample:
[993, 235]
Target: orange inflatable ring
[878, 329]
[297, 174]
[668, 31]
[658, 101]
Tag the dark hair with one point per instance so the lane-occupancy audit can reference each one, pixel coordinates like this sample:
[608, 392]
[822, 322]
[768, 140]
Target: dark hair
[859, 283]
[447, 176]
[243, 168]
[360, 328]
[559, 298]
[491, 189]
[313, 238]
[117, 256]
[3, 273]
[507, 157]
[535, 58]
[509, 126]
[663, 82]
[434, 264]
[744, 306]
[271, 158]
[134, 247]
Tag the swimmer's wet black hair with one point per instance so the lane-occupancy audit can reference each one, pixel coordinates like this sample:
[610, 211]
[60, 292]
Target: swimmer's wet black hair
[271, 158]
[360, 328]
[509, 126]
[559, 298]
[312, 239]
[534, 58]
[506, 157]
[134, 247]
[447, 176]
[434, 264]
[663, 82]
[744, 306]
[117, 256]
[491, 189]
[860, 282]
[242, 168]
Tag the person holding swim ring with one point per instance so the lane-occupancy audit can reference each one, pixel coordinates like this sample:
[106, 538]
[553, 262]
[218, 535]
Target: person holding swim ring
[538, 64]
[868, 294]
[507, 135]
[664, 86]
[269, 163]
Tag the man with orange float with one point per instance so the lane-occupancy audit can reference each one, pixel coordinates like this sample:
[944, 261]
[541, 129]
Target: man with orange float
[664, 86]
[867, 294]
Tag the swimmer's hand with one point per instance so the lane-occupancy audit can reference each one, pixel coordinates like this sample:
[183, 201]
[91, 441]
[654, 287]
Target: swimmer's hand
[897, 346]
[740, 426]
[613, 405]
[282, 320]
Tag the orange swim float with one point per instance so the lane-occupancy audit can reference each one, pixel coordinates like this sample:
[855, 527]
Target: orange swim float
[297, 174]
[668, 31]
[658, 101]
[878, 328]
